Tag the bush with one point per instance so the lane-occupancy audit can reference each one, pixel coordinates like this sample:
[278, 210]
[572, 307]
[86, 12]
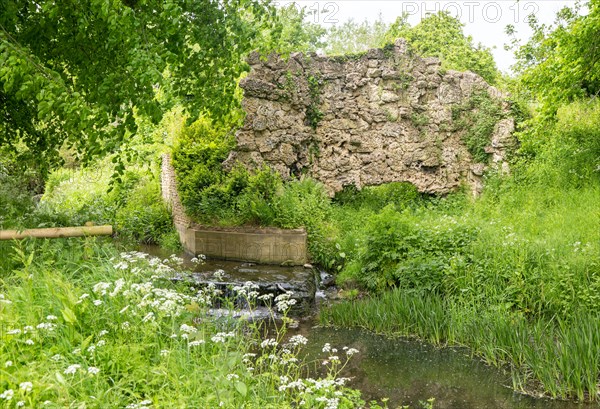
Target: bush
[21, 178]
[305, 203]
[400, 194]
[210, 194]
[15, 201]
[255, 203]
[566, 151]
[143, 217]
[134, 206]
[199, 151]
[400, 251]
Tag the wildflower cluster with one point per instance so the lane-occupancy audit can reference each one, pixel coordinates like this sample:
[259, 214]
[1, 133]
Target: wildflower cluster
[135, 320]
[328, 392]
[284, 301]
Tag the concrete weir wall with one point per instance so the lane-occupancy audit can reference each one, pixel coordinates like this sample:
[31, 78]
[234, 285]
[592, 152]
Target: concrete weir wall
[265, 246]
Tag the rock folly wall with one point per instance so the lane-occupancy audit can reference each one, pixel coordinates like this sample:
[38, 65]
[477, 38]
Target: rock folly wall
[380, 117]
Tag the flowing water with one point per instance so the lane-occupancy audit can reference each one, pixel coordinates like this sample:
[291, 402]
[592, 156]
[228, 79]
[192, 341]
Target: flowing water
[405, 371]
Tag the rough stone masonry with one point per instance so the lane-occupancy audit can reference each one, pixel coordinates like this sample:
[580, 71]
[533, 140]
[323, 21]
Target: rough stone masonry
[369, 119]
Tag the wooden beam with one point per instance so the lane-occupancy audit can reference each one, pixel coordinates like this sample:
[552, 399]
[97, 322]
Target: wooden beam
[57, 232]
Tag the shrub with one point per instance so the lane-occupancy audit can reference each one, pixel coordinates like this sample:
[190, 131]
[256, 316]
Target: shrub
[400, 251]
[199, 151]
[209, 193]
[400, 194]
[143, 217]
[255, 202]
[566, 151]
[305, 203]
[15, 200]
[134, 206]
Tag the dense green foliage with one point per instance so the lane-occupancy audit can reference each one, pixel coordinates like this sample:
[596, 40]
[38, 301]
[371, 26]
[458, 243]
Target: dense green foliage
[208, 192]
[134, 207]
[564, 152]
[441, 35]
[352, 37]
[561, 62]
[74, 197]
[85, 326]
[297, 32]
[478, 118]
[492, 251]
[78, 74]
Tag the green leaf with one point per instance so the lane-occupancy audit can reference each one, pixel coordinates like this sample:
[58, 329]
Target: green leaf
[86, 342]
[60, 378]
[241, 388]
[69, 315]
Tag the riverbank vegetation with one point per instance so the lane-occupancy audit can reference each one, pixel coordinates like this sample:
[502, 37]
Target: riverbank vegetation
[513, 274]
[86, 326]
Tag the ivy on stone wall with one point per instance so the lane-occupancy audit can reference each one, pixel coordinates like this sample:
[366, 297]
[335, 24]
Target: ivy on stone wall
[313, 111]
[478, 117]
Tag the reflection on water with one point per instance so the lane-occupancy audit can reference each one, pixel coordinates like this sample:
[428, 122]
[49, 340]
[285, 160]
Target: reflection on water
[408, 371]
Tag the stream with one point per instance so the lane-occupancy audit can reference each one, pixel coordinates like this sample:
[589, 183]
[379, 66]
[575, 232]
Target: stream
[406, 371]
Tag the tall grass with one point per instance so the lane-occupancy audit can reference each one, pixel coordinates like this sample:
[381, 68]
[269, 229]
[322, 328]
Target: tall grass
[84, 326]
[134, 206]
[558, 357]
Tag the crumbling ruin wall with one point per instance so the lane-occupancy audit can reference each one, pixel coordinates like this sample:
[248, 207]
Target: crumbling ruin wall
[383, 116]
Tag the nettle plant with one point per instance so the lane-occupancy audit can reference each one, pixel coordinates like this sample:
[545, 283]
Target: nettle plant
[134, 337]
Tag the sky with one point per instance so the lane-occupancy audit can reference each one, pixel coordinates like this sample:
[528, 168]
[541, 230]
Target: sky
[485, 21]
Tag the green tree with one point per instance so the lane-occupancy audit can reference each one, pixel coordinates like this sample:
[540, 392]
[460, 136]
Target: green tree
[559, 71]
[352, 37]
[77, 73]
[561, 62]
[294, 32]
[441, 35]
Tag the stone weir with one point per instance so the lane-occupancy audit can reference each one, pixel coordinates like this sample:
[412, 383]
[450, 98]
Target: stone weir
[300, 282]
[386, 115]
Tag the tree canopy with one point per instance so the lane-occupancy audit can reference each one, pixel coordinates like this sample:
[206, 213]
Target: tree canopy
[353, 37]
[441, 35]
[78, 72]
[561, 62]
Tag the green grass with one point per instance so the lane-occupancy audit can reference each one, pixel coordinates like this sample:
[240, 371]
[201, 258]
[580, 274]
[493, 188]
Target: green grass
[84, 326]
[559, 357]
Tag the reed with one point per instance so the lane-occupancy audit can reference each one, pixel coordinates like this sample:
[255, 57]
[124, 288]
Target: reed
[555, 356]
